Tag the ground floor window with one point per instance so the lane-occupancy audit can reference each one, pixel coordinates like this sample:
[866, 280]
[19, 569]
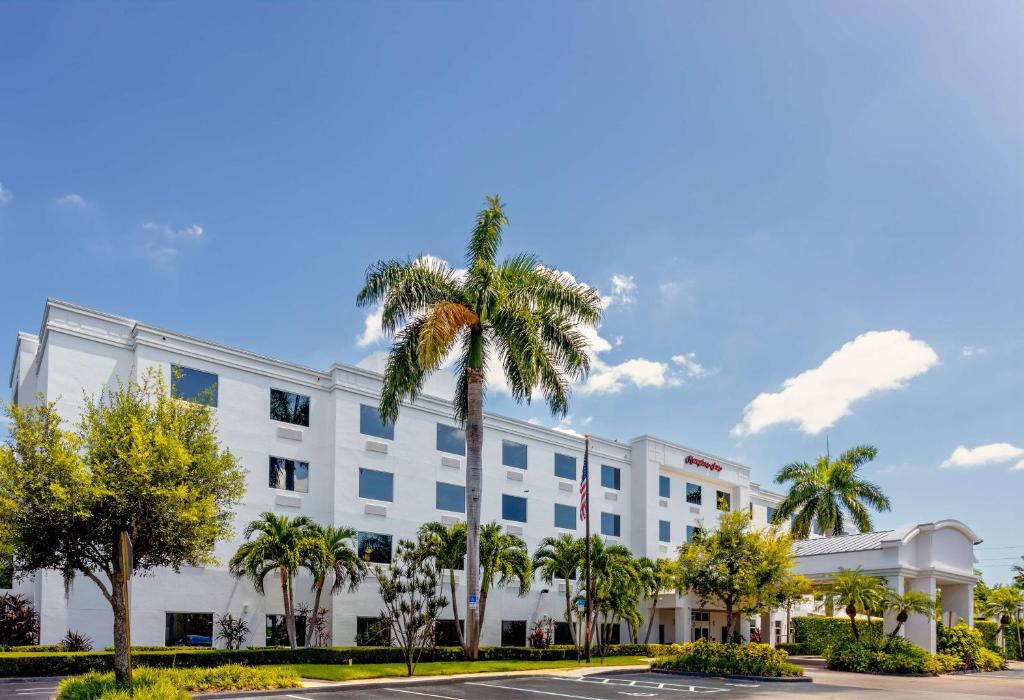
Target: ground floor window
[189, 630]
[701, 623]
[778, 631]
[445, 633]
[372, 632]
[277, 631]
[610, 634]
[563, 633]
[513, 633]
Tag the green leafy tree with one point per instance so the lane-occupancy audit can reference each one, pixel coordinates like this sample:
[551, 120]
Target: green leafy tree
[338, 559]
[830, 493]
[504, 559]
[1003, 605]
[855, 592]
[561, 557]
[736, 564]
[522, 316]
[281, 545]
[447, 545]
[905, 605]
[139, 462]
[793, 590]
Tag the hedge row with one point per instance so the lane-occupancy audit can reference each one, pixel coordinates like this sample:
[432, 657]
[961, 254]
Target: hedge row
[988, 630]
[817, 634]
[720, 659]
[73, 663]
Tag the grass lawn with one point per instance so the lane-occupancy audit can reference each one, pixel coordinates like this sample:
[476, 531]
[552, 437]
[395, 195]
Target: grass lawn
[339, 672]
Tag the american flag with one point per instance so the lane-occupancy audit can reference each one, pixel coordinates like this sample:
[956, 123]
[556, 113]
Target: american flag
[584, 486]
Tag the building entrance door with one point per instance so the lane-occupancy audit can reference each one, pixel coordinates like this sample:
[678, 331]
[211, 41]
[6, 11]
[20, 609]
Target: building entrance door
[701, 624]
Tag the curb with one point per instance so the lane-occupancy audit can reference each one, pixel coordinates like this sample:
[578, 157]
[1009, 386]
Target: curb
[760, 679]
[31, 679]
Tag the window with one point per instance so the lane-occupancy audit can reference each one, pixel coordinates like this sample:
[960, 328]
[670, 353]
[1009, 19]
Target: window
[664, 487]
[513, 508]
[445, 634]
[451, 439]
[771, 514]
[371, 424]
[692, 533]
[380, 486]
[664, 531]
[693, 494]
[289, 408]
[194, 385]
[611, 477]
[513, 633]
[610, 633]
[565, 467]
[513, 454]
[372, 632]
[374, 547]
[7, 572]
[277, 631]
[289, 474]
[724, 500]
[451, 497]
[563, 634]
[611, 524]
[565, 516]
[189, 630]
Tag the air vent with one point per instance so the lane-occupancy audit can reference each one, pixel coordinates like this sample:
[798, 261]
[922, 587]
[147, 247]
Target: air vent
[515, 530]
[289, 434]
[288, 501]
[451, 463]
[374, 509]
[663, 502]
[374, 446]
[514, 476]
[448, 520]
[566, 487]
[611, 496]
[694, 509]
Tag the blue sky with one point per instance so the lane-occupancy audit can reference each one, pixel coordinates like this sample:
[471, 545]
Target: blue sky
[816, 207]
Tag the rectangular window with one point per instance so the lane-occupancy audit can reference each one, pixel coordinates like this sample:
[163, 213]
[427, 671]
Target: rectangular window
[7, 572]
[194, 385]
[664, 487]
[277, 631]
[445, 634]
[693, 494]
[664, 531]
[513, 454]
[771, 514]
[691, 532]
[724, 500]
[188, 630]
[565, 466]
[565, 516]
[380, 486]
[513, 508]
[289, 474]
[451, 497]
[289, 408]
[611, 477]
[563, 634]
[611, 524]
[513, 633]
[374, 547]
[372, 632]
[610, 633]
[371, 424]
[451, 440]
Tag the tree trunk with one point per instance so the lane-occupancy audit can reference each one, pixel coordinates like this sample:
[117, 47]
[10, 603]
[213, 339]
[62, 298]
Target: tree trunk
[650, 623]
[483, 610]
[568, 615]
[289, 618]
[455, 611]
[1020, 648]
[316, 610]
[118, 604]
[789, 621]
[474, 483]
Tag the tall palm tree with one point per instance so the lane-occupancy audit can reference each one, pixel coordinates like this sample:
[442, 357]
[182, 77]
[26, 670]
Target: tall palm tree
[504, 559]
[854, 591]
[829, 493]
[561, 557]
[652, 581]
[337, 558]
[1004, 603]
[905, 605]
[447, 545]
[516, 312]
[282, 544]
[614, 583]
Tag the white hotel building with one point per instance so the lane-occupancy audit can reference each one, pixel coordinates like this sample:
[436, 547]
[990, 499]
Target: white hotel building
[329, 458]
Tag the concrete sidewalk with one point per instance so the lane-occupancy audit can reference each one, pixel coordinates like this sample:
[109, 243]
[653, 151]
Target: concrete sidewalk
[573, 672]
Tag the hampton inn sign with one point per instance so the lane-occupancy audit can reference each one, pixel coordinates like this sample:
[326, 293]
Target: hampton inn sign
[698, 462]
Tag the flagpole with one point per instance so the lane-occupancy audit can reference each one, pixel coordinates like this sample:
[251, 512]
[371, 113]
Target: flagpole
[587, 611]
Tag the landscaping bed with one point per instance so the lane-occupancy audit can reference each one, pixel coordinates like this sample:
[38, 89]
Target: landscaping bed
[718, 659]
[177, 683]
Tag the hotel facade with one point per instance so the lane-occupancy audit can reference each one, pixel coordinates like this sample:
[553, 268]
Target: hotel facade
[310, 443]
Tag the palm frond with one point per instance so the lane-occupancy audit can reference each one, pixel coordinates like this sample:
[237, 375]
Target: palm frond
[485, 239]
[440, 329]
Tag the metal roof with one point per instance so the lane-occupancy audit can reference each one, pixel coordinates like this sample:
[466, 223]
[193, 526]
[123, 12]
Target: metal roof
[844, 543]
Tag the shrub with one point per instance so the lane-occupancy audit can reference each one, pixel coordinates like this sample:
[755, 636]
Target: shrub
[19, 621]
[988, 660]
[720, 659]
[873, 656]
[177, 684]
[74, 641]
[989, 629]
[961, 642]
[819, 633]
[795, 649]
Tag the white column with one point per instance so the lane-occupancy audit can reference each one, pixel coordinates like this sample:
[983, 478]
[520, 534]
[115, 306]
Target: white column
[682, 621]
[920, 629]
[896, 583]
[959, 600]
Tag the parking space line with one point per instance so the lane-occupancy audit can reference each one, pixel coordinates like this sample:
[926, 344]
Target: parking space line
[648, 685]
[534, 690]
[428, 695]
[298, 697]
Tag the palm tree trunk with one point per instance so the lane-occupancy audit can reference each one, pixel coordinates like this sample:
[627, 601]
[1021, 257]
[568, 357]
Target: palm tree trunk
[455, 611]
[474, 482]
[289, 619]
[650, 623]
[310, 627]
[568, 614]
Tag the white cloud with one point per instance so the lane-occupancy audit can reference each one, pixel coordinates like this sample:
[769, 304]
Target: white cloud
[73, 201]
[1019, 466]
[613, 378]
[372, 332]
[993, 453]
[690, 365]
[163, 256]
[814, 400]
[168, 231]
[5, 195]
[969, 352]
[623, 289]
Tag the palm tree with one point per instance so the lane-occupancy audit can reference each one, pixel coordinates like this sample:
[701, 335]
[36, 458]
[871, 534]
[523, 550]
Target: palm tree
[855, 591]
[614, 584]
[655, 577]
[338, 558]
[1004, 603]
[561, 557]
[516, 312]
[905, 605]
[282, 545]
[503, 558]
[447, 545]
[830, 492]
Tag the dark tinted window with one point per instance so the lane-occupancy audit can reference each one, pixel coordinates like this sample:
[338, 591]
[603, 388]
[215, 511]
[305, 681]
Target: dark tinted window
[565, 516]
[563, 634]
[513, 508]
[565, 466]
[193, 385]
[693, 494]
[277, 631]
[289, 408]
[451, 439]
[451, 497]
[664, 487]
[374, 547]
[445, 633]
[691, 532]
[188, 629]
[664, 531]
[371, 424]
[610, 633]
[372, 632]
[611, 477]
[513, 454]
[771, 514]
[380, 486]
[610, 524]
[289, 474]
[723, 500]
[513, 633]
